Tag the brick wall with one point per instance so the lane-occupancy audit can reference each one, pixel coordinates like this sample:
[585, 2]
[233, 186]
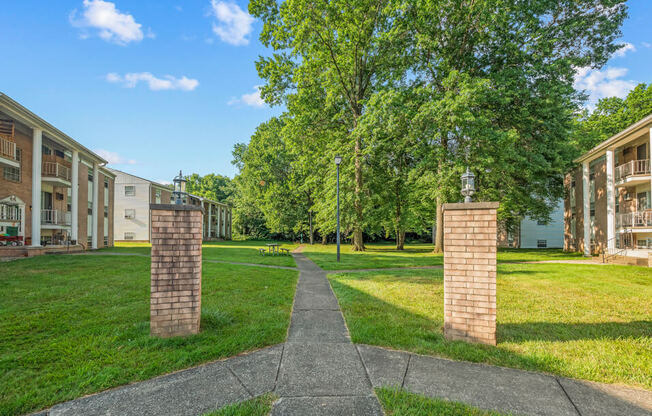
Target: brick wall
[175, 307]
[22, 189]
[470, 272]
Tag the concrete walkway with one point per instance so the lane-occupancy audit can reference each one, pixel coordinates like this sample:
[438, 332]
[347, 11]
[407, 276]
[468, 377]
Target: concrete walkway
[318, 371]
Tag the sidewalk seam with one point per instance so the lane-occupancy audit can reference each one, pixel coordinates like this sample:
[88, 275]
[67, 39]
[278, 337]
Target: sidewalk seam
[239, 381]
[567, 396]
[407, 366]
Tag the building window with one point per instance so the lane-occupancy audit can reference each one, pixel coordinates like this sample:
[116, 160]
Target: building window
[13, 174]
[541, 222]
[592, 194]
[542, 243]
[130, 190]
[46, 150]
[130, 214]
[157, 196]
[129, 236]
[60, 154]
[573, 228]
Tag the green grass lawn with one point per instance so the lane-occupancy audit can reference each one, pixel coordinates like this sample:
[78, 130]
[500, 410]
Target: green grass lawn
[401, 403]
[74, 325]
[237, 251]
[258, 406]
[581, 321]
[385, 255]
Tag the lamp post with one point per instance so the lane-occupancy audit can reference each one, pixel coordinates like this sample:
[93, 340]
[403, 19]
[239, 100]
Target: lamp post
[338, 160]
[468, 185]
[179, 189]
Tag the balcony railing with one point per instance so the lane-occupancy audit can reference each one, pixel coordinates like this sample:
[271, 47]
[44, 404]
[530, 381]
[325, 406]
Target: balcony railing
[9, 212]
[7, 149]
[634, 220]
[632, 168]
[56, 170]
[55, 217]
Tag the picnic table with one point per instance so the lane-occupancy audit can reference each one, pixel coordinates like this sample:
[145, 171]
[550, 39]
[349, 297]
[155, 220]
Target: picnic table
[272, 248]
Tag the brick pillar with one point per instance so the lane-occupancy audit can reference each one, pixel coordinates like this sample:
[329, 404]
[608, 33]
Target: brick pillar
[470, 272]
[175, 303]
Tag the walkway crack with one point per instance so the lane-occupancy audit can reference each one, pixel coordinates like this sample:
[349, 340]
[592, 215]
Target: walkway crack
[239, 381]
[406, 370]
[567, 396]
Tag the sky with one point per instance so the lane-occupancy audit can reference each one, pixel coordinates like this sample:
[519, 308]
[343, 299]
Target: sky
[156, 86]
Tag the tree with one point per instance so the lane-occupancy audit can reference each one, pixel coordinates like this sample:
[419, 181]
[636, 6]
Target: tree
[338, 47]
[610, 116]
[211, 186]
[498, 79]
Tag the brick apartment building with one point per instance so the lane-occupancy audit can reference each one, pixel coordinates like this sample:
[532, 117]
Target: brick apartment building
[54, 192]
[133, 196]
[607, 208]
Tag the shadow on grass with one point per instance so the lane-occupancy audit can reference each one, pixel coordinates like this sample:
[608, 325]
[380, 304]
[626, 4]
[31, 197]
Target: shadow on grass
[376, 322]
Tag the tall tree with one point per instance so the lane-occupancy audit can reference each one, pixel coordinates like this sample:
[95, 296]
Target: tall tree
[339, 47]
[610, 116]
[211, 186]
[517, 60]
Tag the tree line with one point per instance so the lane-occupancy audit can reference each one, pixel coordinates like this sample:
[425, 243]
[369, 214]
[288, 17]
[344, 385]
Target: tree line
[409, 94]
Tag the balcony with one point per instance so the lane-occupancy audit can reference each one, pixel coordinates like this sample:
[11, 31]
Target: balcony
[52, 218]
[56, 174]
[8, 154]
[633, 172]
[635, 220]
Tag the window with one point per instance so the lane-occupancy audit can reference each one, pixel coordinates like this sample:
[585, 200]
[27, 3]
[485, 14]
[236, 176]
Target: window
[542, 243]
[60, 154]
[157, 197]
[129, 236]
[46, 150]
[643, 201]
[540, 222]
[572, 196]
[592, 193]
[573, 228]
[13, 174]
[130, 190]
[59, 196]
[130, 214]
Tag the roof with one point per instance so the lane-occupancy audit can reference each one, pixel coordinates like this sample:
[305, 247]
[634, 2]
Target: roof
[614, 139]
[156, 184]
[25, 116]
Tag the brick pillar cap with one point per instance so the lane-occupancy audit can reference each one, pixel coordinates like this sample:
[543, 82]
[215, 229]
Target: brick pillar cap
[470, 205]
[175, 207]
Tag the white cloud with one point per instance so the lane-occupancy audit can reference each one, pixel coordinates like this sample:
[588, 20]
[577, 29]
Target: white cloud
[114, 158]
[168, 82]
[233, 24]
[627, 47]
[112, 25]
[646, 44]
[601, 84]
[253, 99]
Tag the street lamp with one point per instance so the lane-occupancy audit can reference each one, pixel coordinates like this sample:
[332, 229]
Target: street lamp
[179, 189]
[338, 160]
[468, 185]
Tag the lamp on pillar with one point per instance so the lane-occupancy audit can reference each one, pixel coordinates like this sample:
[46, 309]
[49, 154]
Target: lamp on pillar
[468, 185]
[179, 189]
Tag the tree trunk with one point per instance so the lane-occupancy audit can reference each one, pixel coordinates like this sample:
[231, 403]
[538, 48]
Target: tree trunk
[400, 239]
[358, 243]
[312, 233]
[323, 239]
[439, 233]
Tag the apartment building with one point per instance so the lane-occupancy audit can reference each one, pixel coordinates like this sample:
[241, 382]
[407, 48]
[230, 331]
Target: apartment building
[531, 233]
[133, 196]
[54, 192]
[607, 208]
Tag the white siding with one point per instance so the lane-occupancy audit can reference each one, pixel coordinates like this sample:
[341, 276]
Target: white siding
[553, 232]
[139, 226]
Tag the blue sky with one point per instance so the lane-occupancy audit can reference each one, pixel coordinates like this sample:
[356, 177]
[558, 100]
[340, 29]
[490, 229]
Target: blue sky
[157, 86]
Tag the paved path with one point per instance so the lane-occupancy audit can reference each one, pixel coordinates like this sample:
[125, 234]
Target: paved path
[318, 371]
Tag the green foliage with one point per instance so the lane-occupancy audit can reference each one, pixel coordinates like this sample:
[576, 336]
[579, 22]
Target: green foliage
[409, 94]
[215, 187]
[610, 116]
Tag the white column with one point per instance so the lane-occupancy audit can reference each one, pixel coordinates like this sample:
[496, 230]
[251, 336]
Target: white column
[96, 185]
[219, 215]
[586, 202]
[210, 218]
[37, 153]
[611, 202]
[74, 194]
[224, 223]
